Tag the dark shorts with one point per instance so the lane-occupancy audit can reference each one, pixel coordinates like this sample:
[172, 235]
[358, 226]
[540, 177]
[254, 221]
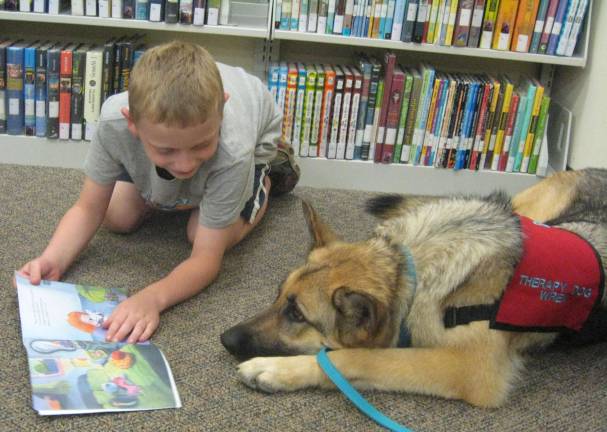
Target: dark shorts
[252, 206]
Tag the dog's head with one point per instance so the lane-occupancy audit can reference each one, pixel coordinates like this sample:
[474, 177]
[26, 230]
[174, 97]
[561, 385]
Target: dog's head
[345, 295]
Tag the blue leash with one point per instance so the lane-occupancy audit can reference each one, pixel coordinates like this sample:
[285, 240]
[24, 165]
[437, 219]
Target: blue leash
[355, 397]
[346, 388]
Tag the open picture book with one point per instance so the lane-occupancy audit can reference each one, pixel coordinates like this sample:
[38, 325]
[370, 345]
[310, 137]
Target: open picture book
[73, 370]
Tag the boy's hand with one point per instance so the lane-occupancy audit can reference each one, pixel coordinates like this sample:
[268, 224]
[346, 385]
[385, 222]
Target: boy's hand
[137, 317]
[40, 268]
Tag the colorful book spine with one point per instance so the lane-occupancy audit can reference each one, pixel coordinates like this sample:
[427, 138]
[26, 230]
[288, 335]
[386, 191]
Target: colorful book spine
[365, 69]
[557, 27]
[285, 15]
[409, 21]
[538, 28]
[525, 23]
[346, 106]
[422, 114]
[526, 122]
[273, 72]
[77, 101]
[420, 20]
[389, 65]
[432, 112]
[476, 24]
[402, 121]
[444, 128]
[437, 123]
[561, 46]
[299, 109]
[448, 156]
[29, 89]
[40, 89]
[464, 131]
[394, 103]
[14, 87]
[313, 16]
[502, 124]
[455, 134]
[575, 30]
[336, 113]
[92, 91]
[3, 79]
[547, 31]
[53, 77]
[142, 10]
[504, 24]
[290, 102]
[490, 121]
[451, 19]
[489, 18]
[308, 109]
[171, 15]
[283, 72]
[503, 157]
[529, 140]
[516, 133]
[128, 9]
[317, 112]
[376, 114]
[479, 132]
[461, 32]
[539, 134]
[354, 110]
[65, 91]
[302, 24]
[414, 101]
[327, 104]
[371, 104]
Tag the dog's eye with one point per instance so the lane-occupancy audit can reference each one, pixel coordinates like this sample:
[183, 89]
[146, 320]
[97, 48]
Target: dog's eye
[294, 314]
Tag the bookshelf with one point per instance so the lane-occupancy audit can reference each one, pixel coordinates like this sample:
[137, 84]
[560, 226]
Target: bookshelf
[253, 47]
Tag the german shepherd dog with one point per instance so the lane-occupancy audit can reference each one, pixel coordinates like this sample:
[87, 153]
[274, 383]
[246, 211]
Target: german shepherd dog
[429, 258]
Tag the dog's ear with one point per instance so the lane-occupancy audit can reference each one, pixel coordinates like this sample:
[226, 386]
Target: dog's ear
[321, 233]
[359, 316]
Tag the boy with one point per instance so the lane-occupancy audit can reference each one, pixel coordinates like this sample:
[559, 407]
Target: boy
[189, 134]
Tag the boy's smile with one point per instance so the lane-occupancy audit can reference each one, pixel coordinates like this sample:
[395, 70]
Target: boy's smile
[179, 150]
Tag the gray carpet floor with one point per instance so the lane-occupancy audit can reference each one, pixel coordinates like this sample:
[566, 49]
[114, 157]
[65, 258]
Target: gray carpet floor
[562, 390]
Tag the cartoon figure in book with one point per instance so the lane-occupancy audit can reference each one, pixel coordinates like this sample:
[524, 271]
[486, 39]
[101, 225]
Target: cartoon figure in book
[189, 135]
[89, 322]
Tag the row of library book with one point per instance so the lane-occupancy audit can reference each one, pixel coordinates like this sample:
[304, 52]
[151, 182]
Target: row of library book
[56, 89]
[378, 110]
[536, 26]
[196, 12]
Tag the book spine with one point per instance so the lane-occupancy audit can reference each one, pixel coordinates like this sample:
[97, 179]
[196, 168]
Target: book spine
[422, 114]
[308, 111]
[77, 102]
[283, 73]
[365, 68]
[526, 122]
[567, 26]
[397, 24]
[126, 63]
[3, 90]
[104, 9]
[290, 102]
[437, 122]
[421, 19]
[128, 9]
[525, 23]
[409, 21]
[186, 11]
[538, 28]
[416, 87]
[65, 93]
[92, 92]
[559, 18]
[376, 115]
[503, 159]
[456, 113]
[40, 91]
[53, 77]
[394, 103]
[402, 121]
[539, 134]
[355, 107]
[29, 90]
[346, 106]
[461, 32]
[336, 114]
[39, 6]
[575, 30]
[493, 106]
[537, 104]
[491, 10]
[444, 129]
[172, 12]
[142, 10]
[516, 133]
[432, 111]
[316, 119]
[77, 7]
[299, 105]
[504, 24]
[454, 133]
[327, 104]
[480, 128]
[198, 8]
[501, 128]
[547, 31]
[14, 87]
[476, 24]
[371, 103]
[389, 63]
[90, 8]
[449, 24]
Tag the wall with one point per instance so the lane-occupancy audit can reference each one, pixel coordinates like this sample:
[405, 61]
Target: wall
[585, 92]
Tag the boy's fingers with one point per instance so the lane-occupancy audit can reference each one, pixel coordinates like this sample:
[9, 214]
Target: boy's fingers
[137, 331]
[149, 330]
[123, 331]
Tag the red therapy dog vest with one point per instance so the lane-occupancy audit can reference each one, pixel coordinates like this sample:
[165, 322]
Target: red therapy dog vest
[555, 286]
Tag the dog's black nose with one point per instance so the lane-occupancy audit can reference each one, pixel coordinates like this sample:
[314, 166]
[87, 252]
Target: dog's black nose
[236, 341]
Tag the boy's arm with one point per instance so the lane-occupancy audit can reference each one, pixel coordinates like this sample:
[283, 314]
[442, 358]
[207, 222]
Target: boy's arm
[138, 316]
[73, 233]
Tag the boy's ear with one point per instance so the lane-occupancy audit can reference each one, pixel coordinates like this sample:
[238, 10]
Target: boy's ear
[130, 124]
[226, 96]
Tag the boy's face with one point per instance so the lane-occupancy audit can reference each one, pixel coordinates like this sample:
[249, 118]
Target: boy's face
[180, 151]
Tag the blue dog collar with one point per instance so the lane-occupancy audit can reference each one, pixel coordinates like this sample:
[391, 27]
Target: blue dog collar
[355, 397]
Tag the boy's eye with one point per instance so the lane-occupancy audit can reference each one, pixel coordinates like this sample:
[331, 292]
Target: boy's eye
[165, 151]
[200, 146]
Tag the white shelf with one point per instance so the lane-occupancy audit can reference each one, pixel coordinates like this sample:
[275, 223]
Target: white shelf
[428, 48]
[316, 172]
[407, 179]
[252, 32]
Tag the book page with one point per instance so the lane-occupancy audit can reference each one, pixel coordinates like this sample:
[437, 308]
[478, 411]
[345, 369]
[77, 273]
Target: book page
[62, 311]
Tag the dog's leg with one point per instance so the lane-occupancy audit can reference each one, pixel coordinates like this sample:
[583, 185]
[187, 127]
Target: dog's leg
[480, 377]
[549, 198]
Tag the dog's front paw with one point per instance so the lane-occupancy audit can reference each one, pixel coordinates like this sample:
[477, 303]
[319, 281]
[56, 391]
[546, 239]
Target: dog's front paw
[272, 374]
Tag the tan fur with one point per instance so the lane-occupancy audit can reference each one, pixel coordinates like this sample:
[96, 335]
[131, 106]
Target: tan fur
[352, 297]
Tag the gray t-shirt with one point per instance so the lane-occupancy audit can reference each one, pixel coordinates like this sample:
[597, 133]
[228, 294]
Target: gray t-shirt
[250, 129]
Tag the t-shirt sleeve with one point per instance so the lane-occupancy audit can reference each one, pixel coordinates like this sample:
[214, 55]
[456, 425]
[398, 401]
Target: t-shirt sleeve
[99, 164]
[270, 127]
[226, 193]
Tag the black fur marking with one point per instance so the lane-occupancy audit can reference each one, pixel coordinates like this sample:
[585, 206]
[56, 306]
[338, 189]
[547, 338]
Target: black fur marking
[382, 204]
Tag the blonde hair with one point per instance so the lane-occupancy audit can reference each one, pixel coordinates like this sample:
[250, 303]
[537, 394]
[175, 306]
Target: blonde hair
[177, 84]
